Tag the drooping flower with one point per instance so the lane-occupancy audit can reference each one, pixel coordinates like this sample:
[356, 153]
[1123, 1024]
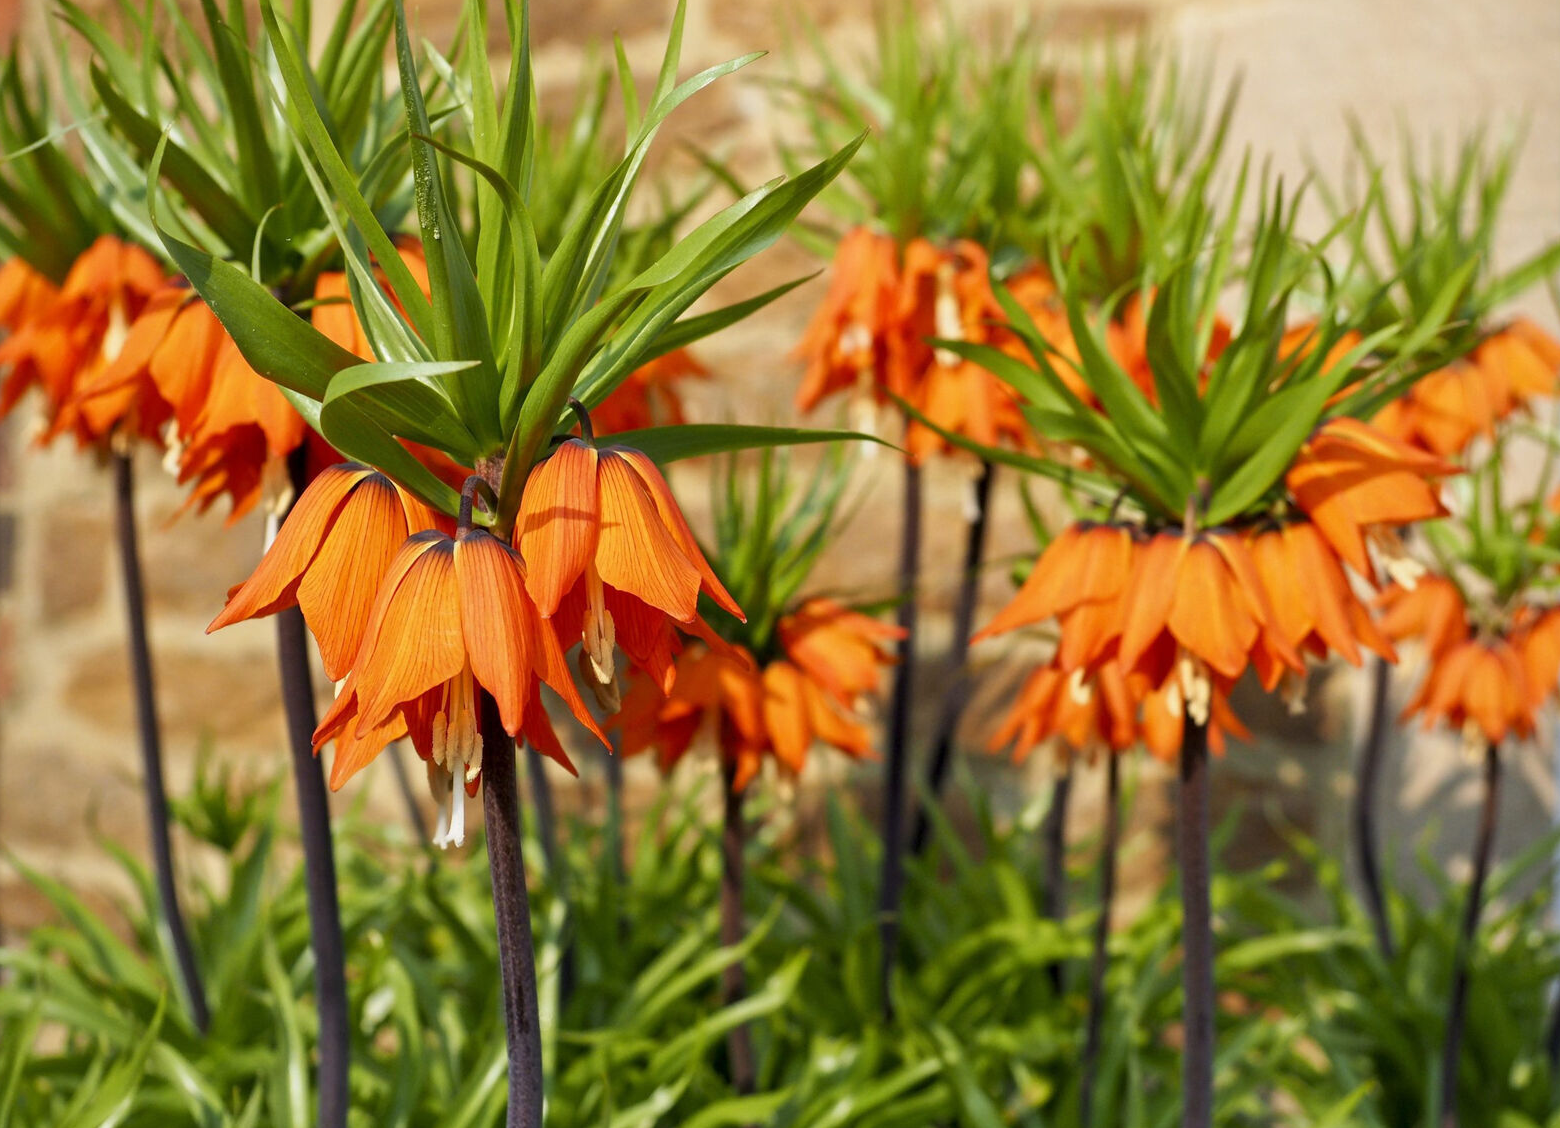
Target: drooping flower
[1314, 610]
[839, 649]
[604, 539]
[846, 344]
[329, 557]
[829, 664]
[1477, 687]
[1446, 410]
[1432, 612]
[649, 397]
[450, 616]
[1358, 486]
[945, 293]
[1081, 714]
[77, 334]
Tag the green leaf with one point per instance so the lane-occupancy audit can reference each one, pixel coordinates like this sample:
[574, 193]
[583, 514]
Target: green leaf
[693, 440]
[406, 399]
[277, 343]
[112, 1101]
[459, 316]
[227, 218]
[305, 114]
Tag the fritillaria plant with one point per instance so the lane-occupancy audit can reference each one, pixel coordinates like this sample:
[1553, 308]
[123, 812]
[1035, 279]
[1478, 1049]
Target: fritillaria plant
[472, 594]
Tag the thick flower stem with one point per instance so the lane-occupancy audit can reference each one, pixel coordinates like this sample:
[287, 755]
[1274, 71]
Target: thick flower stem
[891, 888]
[957, 697]
[512, 913]
[733, 984]
[157, 819]
[1196, 930]
[1053, 834]
[1091, 1040]
[319, 855]
[1483, 848]
[547, 833]
[1368, 775]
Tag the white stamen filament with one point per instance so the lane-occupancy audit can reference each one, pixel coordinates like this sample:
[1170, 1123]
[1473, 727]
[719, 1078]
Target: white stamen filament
[117, 332]
[946, 320]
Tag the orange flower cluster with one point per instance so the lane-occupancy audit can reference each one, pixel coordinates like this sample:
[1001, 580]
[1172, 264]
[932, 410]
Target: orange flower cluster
[1487, 684]
[833, 658]
[416, 614]
[649, 397]
[61, 340]
[1082, 714]
[1446, 410]
[1184, 615]
[870, 336]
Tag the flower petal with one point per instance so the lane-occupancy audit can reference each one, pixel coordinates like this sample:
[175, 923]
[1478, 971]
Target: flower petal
[558, 523]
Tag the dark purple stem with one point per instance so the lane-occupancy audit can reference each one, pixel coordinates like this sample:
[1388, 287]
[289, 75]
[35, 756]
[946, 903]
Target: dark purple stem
[1196, 929]
[1091, 1041]
[733, 983]
[1483, 848]
[1053, 833]
[512, 914]
[957, 697]
[157, 818]
[891, 888]
[1366, 839]
[319, 854]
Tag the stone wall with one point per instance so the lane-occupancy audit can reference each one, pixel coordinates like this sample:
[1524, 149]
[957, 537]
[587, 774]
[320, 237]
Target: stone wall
[68, 766]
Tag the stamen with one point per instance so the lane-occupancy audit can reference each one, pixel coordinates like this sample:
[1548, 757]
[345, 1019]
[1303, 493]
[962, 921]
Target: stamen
[1196, 686]
[946, 319]
[598, 634]
[173, 448]
[1291, 691]
[1400, 567]
[276, 486]
[118, 331]
[1081, 691]
[439, 783]
[457, 832]
[609, 697]
[856, 338]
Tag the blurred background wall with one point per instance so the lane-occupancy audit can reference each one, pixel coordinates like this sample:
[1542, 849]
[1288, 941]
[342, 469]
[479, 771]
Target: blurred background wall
[67, 759]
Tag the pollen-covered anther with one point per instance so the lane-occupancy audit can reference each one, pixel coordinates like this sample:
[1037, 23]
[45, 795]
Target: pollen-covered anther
[598, 633]
[1403, 569]
[173, 448]
[1195, 685]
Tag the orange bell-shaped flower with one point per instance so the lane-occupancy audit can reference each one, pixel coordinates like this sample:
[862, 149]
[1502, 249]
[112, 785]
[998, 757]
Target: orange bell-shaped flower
[451, 615]
[79, 333]
[602, 527]
[329, 557]
[1357, 484]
